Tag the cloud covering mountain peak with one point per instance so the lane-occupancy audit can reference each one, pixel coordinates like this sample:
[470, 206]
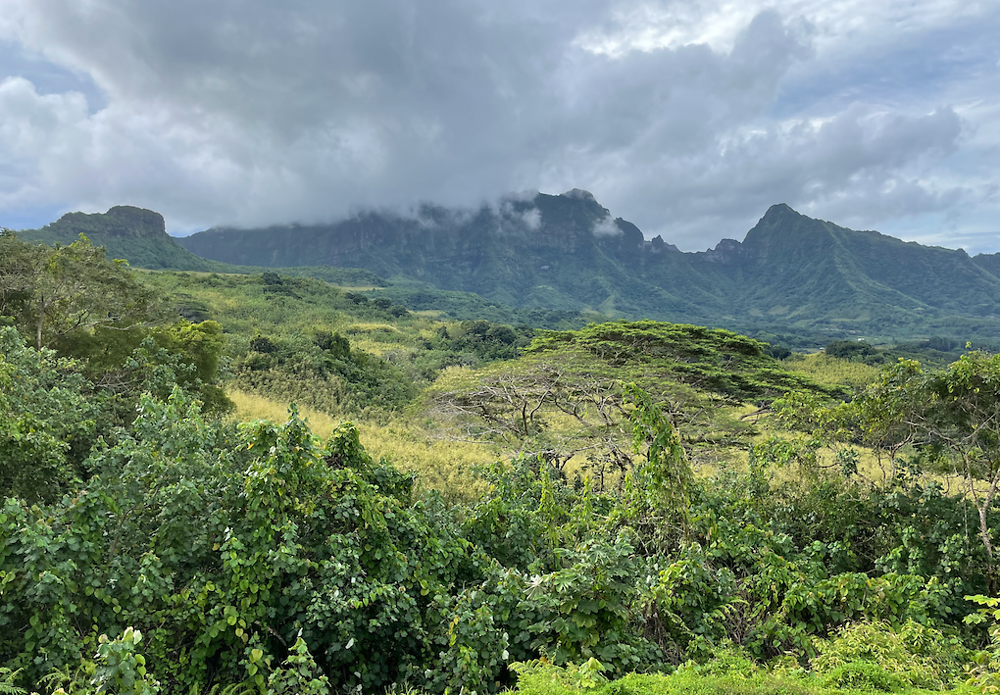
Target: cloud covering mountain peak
[687, 117]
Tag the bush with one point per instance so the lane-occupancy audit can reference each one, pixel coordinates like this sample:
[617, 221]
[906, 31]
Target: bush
[913, 654]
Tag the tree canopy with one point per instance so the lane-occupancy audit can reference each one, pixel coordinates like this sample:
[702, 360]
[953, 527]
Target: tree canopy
[54, 292]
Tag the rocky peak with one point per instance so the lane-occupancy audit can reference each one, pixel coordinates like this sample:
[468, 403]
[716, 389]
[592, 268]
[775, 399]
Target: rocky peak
[579, 194]
[121, 221]
[142, 222]
[727, 252]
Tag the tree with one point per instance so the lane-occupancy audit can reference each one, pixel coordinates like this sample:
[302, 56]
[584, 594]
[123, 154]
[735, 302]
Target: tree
[551, 409]
[54, 292]
[963, 418]
[74, 300]
[46, 420]
[953, 415]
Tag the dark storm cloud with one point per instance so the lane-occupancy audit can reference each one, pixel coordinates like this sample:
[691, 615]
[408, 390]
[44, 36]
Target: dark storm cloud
[685, 118]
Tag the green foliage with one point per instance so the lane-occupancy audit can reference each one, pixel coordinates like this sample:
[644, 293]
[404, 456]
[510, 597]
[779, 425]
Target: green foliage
[911, 653]
[487, 341]
[7, 686]
[850, 350]
[74, 300]
[666, 473]
[298, 674]
[46, 420]
[951, 417]
[215, 540]
[302, 340]
[729, 675]
[259, 556]
[791, 274]
[584, 609]
[120, 669]
[326, 374]
[55, 293]
[984, 670]
[541, 677]
[831, 371]
[865, 676]
[567, 394]
[134, 234]
[469, 306]
[716, 361]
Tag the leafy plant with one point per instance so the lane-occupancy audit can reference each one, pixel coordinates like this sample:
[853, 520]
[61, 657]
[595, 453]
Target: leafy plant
[120, 668]
[910, 653]
[584, 609]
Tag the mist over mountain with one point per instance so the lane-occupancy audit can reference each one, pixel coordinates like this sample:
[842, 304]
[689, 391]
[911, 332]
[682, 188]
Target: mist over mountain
[568, 253]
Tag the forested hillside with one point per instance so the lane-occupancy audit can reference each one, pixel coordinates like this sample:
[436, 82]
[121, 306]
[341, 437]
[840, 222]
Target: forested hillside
[791, 273]
[649, 498]
[136, 235]
[555, 260]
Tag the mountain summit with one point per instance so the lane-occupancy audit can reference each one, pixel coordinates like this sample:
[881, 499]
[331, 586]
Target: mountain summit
[132, 233]
[568, 252]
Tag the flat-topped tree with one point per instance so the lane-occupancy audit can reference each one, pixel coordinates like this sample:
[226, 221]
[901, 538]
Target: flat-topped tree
[566, 395]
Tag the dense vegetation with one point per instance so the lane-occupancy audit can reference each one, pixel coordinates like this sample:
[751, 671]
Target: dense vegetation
[733, 524]
[134, 234]
[790, 275]
[562, 261]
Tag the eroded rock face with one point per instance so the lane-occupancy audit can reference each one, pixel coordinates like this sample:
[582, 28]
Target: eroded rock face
[567, 252]
[137, 221]
[727, 251]
[121, 221]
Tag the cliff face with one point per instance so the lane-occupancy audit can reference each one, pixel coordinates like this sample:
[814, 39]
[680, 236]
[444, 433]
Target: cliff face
[132, 233]
[121, 221]
[567, 252]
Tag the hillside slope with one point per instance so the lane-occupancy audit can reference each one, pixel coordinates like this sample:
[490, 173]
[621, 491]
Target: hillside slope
[566, 252]
[135, 234]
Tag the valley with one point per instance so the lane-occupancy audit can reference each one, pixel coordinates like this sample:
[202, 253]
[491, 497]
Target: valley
[313, 479]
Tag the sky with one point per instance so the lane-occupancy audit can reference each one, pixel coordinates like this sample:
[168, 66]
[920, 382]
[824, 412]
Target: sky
[687, 118]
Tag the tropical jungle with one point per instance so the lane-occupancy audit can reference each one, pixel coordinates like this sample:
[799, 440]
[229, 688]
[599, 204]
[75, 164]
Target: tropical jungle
[259, 482]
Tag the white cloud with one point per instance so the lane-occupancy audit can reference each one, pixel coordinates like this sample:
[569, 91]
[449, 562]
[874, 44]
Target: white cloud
[532, 219]
[687, 118]
[606, 227]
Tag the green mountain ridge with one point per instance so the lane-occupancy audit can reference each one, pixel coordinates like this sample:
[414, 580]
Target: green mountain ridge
[566, 253]
[137, 235]
[790, 272]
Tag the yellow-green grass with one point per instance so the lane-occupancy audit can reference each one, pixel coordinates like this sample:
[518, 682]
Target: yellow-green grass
[831, 371]
[244, 307]
[442, 465]
[446, 465]
[870, 467]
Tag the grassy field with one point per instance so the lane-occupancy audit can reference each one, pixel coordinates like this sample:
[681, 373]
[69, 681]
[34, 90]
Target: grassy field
[245, 305]
[831, 371]
[442, 450]
[439, 464]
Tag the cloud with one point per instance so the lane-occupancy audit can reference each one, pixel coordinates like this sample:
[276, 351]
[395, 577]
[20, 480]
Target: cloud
[858, 166]
[687, 118]
[606, 227]
[532, 219]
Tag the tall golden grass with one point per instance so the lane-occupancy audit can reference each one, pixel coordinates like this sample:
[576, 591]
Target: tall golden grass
[831, 371]
[442, 465]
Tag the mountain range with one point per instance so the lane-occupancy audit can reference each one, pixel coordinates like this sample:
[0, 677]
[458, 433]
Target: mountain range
[566, 252]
